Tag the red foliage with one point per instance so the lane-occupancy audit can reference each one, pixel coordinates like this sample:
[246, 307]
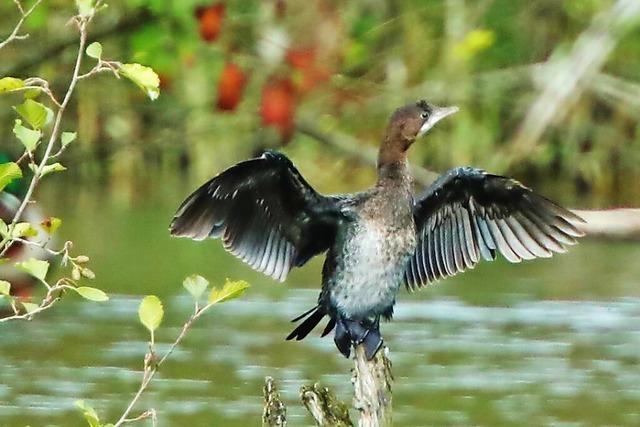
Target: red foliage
[310, 73]
[278, 105]
[210, 20]
[230, 87]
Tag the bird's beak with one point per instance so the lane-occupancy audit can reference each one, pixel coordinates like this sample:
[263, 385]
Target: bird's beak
[437, 114]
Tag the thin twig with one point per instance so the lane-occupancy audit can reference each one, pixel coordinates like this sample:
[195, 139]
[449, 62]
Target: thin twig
[151, 366]
[82, 22]
[102, 66]
[49, 300]
[24, 15]
[127, 24]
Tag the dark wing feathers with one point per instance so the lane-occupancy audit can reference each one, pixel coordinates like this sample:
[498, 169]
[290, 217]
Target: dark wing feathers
[264, 212]
[468, 214]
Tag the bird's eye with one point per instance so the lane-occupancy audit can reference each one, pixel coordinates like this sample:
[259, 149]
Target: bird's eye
[424, 114]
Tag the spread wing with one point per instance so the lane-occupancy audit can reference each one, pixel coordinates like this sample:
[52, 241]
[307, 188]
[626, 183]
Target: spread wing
[264, 212]
[468, 214]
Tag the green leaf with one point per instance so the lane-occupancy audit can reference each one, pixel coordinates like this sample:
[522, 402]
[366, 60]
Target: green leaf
[89, 413]
[5, 287]
[94, 50]
[92, 294]
[32, 93]
[28, 137]
[85, 7]
[10, 83]
[230, 290]
[196, 285]
[67, 138]
[144, 77]
[29, 307]
[34, 113]
[47, 169]
[24, 229]
[9, 172]
[151, 312]
[51, 224]
[35, 267]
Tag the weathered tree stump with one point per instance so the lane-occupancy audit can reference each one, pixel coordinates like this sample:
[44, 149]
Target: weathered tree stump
[372, 387]
[324, 406]
[274, 413]
[372, 396]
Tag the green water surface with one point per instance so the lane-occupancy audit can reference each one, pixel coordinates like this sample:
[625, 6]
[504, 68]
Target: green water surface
[549, 342]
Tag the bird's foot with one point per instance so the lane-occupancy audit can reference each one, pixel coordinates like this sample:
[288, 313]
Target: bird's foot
[357, 331]
[353, 333]
[372, 343]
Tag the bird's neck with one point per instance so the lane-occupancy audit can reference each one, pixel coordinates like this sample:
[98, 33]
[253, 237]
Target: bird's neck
[393, 168]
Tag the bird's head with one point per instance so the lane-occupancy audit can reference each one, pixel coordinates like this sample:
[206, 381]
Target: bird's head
[406, 125]
[414, 120]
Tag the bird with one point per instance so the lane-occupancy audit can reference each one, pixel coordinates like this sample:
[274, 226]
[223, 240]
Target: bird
[376, 240]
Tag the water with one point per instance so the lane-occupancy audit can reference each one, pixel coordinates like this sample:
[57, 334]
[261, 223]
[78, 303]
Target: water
[551, 342]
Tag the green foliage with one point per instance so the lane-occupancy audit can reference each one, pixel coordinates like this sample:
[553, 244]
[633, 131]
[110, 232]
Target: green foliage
[85, 7]
[196, 285]
[5, 287]
[92, 294]
[29, 138]
[88, 413]
[51, 224]
[47, 169]
[8, 84]
[475, 42]
[230, 290]
[29, 307]
[144, 77]
[8, 173]
[67, 138]
[35, 267]
[34, 113]
[94, 50]
[24, 229]
[151, 312]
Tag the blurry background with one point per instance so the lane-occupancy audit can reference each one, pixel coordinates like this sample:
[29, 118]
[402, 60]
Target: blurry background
[549, 93]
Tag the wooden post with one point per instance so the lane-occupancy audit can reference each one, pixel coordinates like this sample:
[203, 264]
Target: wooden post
[274, 413]
[324, 406]
[372, 396]
[372, 386]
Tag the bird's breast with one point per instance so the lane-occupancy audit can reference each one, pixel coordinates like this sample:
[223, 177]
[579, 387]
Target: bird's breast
[371, 266]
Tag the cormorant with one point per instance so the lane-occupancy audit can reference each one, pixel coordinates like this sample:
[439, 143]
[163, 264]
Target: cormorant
[266, 214]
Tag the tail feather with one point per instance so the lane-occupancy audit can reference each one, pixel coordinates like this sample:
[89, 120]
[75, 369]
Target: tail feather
[315, 315]
[330, 325]
[305, 314]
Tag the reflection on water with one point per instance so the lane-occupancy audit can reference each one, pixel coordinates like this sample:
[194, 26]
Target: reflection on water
[548, 342]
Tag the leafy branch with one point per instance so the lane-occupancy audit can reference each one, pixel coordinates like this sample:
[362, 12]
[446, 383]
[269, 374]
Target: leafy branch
[29, 129]
[38, 269]
[151, 313]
